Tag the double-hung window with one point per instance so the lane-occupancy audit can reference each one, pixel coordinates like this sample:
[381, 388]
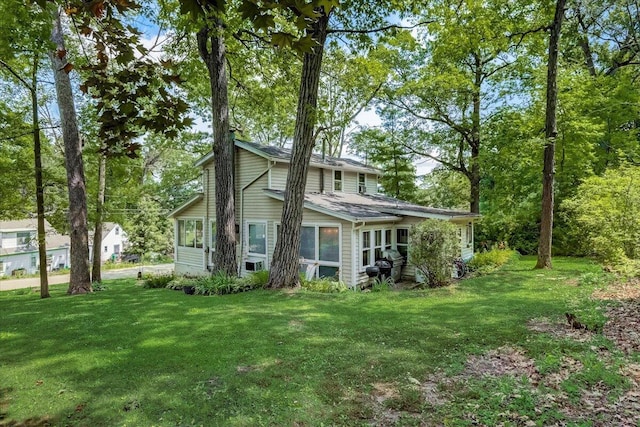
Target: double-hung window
[337, 180]
[373, 245]
[257, 238]
[362, 183]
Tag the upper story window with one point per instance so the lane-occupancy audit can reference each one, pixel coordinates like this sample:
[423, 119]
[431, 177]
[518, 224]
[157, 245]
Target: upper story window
[337, 180]
[23, 238]
[117, 231]
[362, 183]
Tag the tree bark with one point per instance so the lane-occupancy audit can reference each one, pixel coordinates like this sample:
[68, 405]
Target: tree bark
[475, 139]
[96, 273]
[551, 131]
[284, 265]
[80, 280]
[211, 46]
[37, 152]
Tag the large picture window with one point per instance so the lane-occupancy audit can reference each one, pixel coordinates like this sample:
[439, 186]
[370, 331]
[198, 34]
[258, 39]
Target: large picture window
[190, 233]
[321, 245]
[257, 238]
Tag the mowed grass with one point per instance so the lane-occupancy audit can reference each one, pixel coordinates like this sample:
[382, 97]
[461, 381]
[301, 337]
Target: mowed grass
[134, 356]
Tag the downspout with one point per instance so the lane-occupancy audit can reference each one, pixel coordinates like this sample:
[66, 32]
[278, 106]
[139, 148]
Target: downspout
[321, 181]
[355, 253]
[206, 231]
[249, 184]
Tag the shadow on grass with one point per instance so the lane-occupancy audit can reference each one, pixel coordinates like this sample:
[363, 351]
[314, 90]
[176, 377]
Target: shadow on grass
[133, 356]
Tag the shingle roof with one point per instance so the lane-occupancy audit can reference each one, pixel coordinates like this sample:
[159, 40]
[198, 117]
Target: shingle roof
[370, 207]
[284, 155]
[52, 238]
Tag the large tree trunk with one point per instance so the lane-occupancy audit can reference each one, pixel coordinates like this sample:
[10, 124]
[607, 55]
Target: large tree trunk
[213, 56]
[42, 241]
[80, 281]
[96, 273]
[284, 265]
[551, 131]
[475, 138]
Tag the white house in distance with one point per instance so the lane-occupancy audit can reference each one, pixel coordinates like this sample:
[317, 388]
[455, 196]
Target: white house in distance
[19, 247]
[346, 224]
[114, 241]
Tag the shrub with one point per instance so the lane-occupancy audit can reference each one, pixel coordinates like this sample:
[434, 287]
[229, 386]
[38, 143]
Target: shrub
[434, 245]
[323, 285]
[604, 212]
[152, 281]
[180, 282]
[485, 262]
[217, 284]
[257, 280]
[382, 285]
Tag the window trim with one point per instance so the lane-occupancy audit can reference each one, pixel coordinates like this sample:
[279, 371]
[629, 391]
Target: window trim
[362, 186]
[266, 238]
[180, 235]
[397, 245]
[373, 246]
[316, 260]
[338, 181]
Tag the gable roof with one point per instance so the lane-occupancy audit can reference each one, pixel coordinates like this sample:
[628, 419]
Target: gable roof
[283, 155]
[356, 207]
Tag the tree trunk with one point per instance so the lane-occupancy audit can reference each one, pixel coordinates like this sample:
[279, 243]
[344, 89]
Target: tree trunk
[37, 152]
[80, 280]
[96, 273]
[551, 131]
[214, 56]
[475, 139]
[284, 265]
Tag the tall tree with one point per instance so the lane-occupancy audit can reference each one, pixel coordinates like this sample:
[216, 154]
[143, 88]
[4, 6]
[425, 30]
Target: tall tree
[34, 46]
[284, 265]
[551, 132]
[211, 45]
[79, 279]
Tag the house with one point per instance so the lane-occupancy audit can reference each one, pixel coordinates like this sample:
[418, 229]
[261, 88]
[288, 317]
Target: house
[114, 241]
[346, 224]
[19, 248]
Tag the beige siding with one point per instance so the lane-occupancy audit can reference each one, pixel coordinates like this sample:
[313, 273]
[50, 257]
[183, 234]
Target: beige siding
[191, 257]
[349, 182]
[279, 176]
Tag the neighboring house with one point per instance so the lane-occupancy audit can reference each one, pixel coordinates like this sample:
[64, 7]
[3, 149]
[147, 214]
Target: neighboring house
[114, 241]
[19, 247]
[346, 225]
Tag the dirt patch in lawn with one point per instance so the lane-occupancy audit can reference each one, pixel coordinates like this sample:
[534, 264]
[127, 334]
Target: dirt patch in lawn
[620, 290]
[559, 330]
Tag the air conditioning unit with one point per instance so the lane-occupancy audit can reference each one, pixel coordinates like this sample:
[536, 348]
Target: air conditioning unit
[254, 265]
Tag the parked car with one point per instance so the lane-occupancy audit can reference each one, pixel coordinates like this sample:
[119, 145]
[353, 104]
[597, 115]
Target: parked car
[129, 257]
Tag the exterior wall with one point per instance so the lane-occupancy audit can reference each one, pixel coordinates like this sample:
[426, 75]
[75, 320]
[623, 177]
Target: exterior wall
[112, 240]
[59, 259]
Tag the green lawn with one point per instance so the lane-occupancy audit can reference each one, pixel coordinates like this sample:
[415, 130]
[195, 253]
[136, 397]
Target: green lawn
[134, 356]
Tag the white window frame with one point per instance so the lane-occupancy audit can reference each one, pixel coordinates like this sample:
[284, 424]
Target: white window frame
[248, 223]
[384, 244]
[469, 234]
[195, 240]
[338, 181]
[362, 186]
[397, 244]
[321, 263]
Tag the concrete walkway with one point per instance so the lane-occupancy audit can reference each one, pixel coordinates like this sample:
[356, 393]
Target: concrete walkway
[56, 279]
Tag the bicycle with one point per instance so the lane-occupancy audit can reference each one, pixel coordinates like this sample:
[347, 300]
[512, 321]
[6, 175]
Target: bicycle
[459, 268]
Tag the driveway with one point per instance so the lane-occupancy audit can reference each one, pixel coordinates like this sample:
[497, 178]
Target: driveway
[124, 273]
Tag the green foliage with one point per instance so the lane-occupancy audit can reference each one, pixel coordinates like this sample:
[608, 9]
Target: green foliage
[149, 230]
[217, 284]
[154, 281]
[604, 212]
[323, 285]
[382, 285]
[257, 280]
[434, 246]
[484, 262]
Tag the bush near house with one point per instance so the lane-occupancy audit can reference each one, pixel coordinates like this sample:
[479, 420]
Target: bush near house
[434, 245]
[485, 262]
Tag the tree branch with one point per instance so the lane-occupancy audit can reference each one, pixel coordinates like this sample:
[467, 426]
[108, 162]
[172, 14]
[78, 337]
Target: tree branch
[17, 76]
[377, 30]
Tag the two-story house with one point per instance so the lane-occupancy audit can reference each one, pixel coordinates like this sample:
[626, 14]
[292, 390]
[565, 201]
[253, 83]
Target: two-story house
[19, 247]
[346, 224]
[114, 242]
